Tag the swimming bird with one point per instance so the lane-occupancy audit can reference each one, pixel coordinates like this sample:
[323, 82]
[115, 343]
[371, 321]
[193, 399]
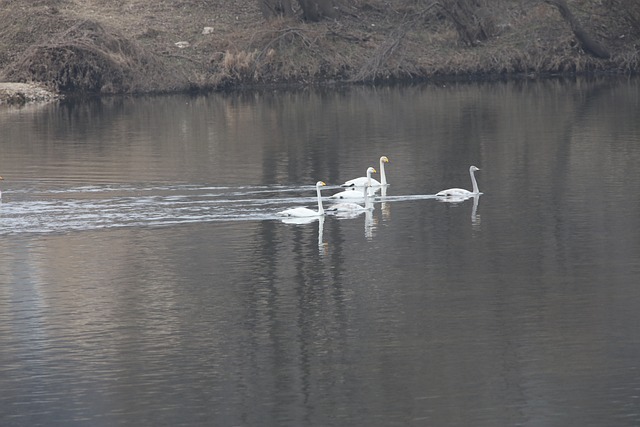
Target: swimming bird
[351, 194]
[362, 181]
[302, 212]
[354, 208]
[461, 192]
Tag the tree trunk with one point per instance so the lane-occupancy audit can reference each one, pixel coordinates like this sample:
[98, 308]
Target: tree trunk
[589, 44]
[314, 10]
[274, 8]
[469, 17]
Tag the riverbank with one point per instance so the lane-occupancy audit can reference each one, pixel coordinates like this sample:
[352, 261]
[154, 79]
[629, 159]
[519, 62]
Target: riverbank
[134, 46]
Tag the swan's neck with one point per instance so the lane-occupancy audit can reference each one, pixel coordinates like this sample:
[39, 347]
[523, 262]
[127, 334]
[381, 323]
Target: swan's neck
[320, 208]
[383, 176]
[474, 183]
[367, 198]
[368, 186]
[367, 192]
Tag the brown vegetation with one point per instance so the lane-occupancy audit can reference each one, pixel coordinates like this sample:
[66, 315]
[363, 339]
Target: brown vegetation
[87, 58]
[130, 46]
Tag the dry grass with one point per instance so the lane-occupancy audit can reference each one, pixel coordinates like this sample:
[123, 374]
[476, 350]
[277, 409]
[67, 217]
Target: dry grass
[89, 58]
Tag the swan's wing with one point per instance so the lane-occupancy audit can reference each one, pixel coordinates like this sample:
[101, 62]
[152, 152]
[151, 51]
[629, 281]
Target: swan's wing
[454, 192]
[348, 194]
[300, 220]
[454, 199]
[348, 214]
[345, 207]
[298, 212]
[360, 182]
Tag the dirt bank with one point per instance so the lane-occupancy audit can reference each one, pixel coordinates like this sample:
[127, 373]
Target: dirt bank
[137, 46]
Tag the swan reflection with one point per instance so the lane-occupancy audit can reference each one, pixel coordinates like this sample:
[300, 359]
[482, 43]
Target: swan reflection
[475, 218]
[385, 207]
[367, 210]
[322, 246]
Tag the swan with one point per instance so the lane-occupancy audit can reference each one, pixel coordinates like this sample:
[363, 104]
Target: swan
[354, 208]
[461, 192]
[306, 212]
[362, 181]
[351, 194]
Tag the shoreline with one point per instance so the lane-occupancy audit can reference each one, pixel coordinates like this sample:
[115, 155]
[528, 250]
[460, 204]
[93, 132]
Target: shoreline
[20, 94]
[73, 48]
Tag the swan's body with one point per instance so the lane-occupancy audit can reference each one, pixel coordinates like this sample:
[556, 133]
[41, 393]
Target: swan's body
[354, 208]
[363, 180]
[306, 212]
[453, 199]
[351, 194]
[347, 207]
[461, 192]
[302, 220]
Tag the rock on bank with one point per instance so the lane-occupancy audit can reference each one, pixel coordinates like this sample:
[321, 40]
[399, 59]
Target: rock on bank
[21, 93]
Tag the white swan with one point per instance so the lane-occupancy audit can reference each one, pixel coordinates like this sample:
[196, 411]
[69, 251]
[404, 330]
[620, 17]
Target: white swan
[362, 181]
[354, 208]
[306, 212]
[461, 192]
[351, 194]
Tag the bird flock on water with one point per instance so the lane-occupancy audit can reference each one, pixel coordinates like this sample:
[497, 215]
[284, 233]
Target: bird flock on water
[363, 189]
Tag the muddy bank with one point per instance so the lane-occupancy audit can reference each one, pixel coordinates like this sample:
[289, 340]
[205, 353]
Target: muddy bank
[135, 46]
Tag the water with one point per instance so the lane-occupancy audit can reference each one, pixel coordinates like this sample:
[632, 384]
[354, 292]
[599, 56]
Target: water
[146, 279]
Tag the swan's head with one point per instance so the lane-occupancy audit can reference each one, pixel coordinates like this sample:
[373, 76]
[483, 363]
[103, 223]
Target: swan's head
[384, 159]
[371, 170]
[473, 169]
[320, 184]
[1, 178]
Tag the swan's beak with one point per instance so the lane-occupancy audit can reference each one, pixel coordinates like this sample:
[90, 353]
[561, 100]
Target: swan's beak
[374, 171]
[1, 178]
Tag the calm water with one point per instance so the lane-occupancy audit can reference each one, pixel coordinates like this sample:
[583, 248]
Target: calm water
[146, 280]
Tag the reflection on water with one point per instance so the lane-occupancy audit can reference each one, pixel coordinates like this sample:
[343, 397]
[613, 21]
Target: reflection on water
[475, 217]
[145, 278]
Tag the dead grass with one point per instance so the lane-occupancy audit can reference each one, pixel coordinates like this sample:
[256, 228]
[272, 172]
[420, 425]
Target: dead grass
[89, 58]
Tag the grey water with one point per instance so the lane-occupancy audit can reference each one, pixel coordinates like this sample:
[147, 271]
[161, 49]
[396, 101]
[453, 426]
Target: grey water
[146, 278]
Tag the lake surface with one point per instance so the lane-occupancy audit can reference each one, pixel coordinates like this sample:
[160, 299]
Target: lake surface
[146, 278]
